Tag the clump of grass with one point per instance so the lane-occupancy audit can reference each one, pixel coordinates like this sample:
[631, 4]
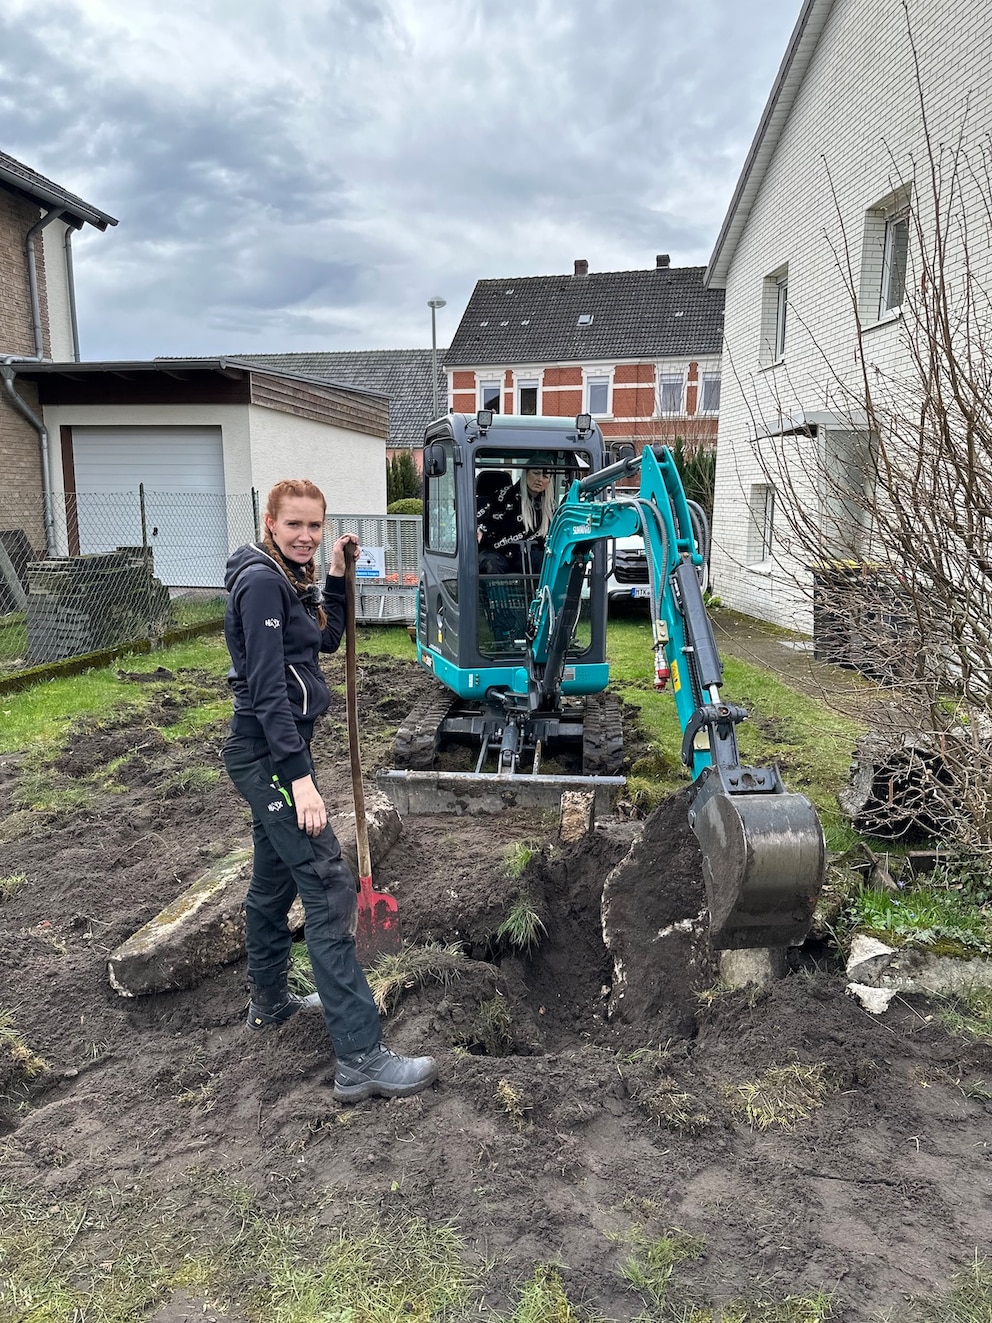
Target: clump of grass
[650, 1266]
[492, 1029]
[969, 1013]
[782, 1096]
[543, 1299]
[18, 1064]
[414, 967]
[43, 791]
[523, 927]
[670, 1107]
[816, 1308]
[518, 856]
[193, 780]
[968, 1298]
[11, 884]
[513, 1101]
[301, 971]
[930, 916]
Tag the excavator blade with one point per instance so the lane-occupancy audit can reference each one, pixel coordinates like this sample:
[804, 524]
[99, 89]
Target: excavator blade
[763, 865]
[481, 792]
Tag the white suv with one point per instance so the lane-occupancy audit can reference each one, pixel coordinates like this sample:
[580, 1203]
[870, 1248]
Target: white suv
[628, 580]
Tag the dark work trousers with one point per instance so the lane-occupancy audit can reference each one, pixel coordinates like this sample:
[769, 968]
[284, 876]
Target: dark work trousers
[288, 861]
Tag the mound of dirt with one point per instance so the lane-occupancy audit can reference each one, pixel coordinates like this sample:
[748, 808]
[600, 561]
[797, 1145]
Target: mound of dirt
[593, 1085]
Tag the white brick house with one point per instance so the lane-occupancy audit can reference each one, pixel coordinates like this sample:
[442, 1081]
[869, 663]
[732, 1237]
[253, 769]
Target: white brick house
[824, 218]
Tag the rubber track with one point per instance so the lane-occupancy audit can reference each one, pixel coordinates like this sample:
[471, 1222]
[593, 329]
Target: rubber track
[415, 747]
[602, 736]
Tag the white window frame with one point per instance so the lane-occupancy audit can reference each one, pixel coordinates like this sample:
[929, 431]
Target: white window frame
[483, 382]
[527, 381]
[596, 377]
[895, 224]
[671, 379]
[761, 523]
[774, 316]
[709, 379]
[883, 223]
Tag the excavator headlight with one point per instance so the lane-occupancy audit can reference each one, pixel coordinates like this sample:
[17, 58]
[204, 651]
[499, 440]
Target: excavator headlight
[583, 423]
[485, 419]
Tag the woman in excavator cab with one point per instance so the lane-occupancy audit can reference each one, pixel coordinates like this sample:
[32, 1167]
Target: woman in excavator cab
[513, 514]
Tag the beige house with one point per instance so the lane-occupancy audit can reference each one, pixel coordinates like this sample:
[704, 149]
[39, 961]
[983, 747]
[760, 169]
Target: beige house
[182, 453]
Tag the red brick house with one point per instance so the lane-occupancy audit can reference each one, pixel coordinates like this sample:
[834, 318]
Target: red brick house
[639, 350]
[37, 322]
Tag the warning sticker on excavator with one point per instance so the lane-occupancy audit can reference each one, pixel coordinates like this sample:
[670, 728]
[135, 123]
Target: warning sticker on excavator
[676, 681]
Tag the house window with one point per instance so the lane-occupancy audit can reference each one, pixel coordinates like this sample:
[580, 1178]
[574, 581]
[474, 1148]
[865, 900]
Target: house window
[884, 255]
[761, 524]
[527, 393]
[710, 395]
[670, 393]
[774, 310]
[894, 257]
[489, 395]
[598, 395]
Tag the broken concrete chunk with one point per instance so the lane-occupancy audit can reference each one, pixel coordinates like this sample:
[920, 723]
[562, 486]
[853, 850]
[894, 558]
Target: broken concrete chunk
[578, 815]
[201, 930]
[868, 959]
[204, 928]
[875, 1000]
[759, 966]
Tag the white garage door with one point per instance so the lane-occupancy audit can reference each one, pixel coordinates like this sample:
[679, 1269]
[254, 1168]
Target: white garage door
[182, 471]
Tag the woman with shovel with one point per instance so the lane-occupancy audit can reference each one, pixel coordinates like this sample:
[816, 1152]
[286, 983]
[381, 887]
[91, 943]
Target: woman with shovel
[277, 622]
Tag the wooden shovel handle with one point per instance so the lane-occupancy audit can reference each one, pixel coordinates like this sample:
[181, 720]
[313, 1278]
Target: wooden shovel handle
[351, 687]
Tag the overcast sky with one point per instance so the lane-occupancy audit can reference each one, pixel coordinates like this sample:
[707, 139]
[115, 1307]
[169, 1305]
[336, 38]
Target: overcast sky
[306, 174]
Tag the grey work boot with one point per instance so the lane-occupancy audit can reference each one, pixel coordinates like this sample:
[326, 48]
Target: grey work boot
[379, 1071]
[272, 1006]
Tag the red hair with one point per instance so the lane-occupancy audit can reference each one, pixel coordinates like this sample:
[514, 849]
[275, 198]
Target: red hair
[289, 488]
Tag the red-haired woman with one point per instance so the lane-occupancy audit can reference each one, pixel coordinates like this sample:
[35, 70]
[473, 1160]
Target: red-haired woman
[277, 623]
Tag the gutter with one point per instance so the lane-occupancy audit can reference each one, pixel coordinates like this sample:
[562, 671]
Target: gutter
[7, 373]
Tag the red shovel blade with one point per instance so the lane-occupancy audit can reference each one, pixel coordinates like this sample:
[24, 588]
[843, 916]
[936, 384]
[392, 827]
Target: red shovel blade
[378, 928]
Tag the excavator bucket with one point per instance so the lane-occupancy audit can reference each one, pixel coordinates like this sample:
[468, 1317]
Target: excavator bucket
[763, 864]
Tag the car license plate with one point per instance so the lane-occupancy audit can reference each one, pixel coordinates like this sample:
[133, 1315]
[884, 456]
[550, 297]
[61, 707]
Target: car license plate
[642, 590]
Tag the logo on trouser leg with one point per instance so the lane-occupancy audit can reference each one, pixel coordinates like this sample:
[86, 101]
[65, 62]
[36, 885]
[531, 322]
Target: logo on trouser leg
[276, 806]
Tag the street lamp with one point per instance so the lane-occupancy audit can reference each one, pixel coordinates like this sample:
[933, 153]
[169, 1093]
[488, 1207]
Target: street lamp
[434, 304]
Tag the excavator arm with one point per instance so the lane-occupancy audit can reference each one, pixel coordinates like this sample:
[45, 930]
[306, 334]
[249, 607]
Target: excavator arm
[762, 846]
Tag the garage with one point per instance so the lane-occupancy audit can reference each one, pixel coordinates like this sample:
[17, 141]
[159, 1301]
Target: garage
[186, 511]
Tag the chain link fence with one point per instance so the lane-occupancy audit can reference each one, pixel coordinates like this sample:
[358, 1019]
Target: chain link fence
[86, 572]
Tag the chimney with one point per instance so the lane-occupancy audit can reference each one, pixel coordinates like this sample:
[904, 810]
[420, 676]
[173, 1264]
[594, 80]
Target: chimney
[581, 266]
[662, 260]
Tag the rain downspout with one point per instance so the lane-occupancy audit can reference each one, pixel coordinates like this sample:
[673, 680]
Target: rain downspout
[7, 372]
[71, 286]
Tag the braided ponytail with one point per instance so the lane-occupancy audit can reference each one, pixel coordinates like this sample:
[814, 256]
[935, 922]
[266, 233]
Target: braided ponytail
[306, 588]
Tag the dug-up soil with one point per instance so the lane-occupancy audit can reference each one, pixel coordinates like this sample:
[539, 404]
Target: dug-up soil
[584, 1092]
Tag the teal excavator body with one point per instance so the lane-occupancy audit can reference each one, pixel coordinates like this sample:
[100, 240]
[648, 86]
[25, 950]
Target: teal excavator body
[521, 661]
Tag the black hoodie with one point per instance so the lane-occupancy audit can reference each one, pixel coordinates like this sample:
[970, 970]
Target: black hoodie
[274, 640]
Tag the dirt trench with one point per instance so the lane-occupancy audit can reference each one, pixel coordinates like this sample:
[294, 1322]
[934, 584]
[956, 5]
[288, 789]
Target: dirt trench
[585, 1090]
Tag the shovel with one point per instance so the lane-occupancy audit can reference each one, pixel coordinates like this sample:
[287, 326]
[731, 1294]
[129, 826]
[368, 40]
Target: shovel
[378, 928]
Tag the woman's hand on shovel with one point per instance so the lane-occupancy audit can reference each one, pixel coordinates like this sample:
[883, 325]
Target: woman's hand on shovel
[311, 815]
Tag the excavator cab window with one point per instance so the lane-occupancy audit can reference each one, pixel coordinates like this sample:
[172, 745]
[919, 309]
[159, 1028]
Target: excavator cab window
[440, 525]
[516, 496]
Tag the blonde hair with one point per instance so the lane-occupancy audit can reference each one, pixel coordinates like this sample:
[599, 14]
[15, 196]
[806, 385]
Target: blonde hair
[287, 490]
[529, 509]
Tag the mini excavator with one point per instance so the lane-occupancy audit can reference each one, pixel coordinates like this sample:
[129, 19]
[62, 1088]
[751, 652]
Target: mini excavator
[521, 664]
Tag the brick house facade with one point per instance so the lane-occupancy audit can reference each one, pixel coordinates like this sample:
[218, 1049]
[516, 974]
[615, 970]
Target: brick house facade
[37, 218]
[639, 350]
